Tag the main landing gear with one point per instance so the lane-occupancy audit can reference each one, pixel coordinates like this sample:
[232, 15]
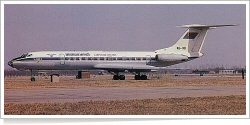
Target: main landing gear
[119, 77]
[116, 76]
[141, 77]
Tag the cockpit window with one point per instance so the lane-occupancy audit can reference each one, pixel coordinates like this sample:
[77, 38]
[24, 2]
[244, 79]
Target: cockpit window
[24, 55]
[29, 55]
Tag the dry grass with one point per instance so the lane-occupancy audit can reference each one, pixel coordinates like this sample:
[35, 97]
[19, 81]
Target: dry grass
[218, 105]
[106, 81]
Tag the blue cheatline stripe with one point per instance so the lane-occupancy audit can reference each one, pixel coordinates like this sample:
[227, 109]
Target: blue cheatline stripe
[89, 58]
[50, 58]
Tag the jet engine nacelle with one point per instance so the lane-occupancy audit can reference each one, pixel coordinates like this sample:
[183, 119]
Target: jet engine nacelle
[170, 57]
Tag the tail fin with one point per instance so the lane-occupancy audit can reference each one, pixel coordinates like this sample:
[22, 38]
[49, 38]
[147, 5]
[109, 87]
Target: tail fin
[191, 42]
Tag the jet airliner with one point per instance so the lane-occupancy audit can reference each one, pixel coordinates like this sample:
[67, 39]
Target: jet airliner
[187, 48]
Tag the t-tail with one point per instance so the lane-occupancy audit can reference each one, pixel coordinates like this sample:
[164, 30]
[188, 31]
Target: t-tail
[191, 42]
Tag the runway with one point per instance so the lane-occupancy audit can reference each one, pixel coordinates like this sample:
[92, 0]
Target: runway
[117, 93]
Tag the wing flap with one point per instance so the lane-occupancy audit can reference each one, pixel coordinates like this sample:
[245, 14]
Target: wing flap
[132, 68]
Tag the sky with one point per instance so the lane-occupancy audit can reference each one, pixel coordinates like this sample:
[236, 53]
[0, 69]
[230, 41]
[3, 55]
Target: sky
[82, 27]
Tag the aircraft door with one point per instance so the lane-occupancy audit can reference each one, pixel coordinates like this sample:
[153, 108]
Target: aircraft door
[62, 59]
[110, 58]
[148, 59]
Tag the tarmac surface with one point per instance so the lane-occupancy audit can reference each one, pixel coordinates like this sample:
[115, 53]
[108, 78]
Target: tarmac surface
[117, 93]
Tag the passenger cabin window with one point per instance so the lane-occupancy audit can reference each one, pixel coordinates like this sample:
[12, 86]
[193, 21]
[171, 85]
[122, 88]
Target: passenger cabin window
[90, 58]
[119, 58]
[138, 58]
[101, 58]
[37, 59]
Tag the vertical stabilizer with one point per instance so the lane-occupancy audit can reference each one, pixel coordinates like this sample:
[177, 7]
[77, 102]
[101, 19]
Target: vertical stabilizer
[191, 42]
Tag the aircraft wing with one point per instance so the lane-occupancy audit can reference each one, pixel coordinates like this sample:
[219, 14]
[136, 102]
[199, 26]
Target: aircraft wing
[123, 67]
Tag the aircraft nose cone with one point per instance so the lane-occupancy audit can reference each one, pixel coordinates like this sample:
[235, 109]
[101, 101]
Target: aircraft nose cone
[10, 63]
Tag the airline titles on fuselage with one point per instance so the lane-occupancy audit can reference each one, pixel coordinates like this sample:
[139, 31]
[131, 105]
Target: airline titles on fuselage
[104, 54]
[77, 54]
[87, 54]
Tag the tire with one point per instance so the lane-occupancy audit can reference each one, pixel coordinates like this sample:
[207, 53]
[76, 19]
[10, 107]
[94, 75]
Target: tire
[137, 77]
[115, 77]
[33, 79]
[144, 77]
[122, 77]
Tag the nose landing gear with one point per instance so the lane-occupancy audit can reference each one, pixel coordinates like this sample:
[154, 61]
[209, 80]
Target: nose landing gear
[33, 79]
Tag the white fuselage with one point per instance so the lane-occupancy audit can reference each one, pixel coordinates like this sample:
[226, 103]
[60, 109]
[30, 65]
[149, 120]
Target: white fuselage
[80, 60]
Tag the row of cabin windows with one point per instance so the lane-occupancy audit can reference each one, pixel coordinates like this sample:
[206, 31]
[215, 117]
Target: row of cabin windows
[108, 58]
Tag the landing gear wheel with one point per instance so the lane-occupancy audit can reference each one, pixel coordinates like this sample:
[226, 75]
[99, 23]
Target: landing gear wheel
[122, 77]
[144, 77]
[32, 79]
[115, 77]
[137, 77]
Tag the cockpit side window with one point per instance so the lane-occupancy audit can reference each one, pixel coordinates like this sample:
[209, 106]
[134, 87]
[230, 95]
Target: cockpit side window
[29, 55]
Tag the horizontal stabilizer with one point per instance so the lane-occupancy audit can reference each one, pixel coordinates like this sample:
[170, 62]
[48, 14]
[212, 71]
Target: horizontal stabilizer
[205, 26]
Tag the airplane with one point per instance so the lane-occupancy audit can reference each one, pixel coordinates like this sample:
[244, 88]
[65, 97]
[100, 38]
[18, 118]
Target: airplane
[187, 48]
